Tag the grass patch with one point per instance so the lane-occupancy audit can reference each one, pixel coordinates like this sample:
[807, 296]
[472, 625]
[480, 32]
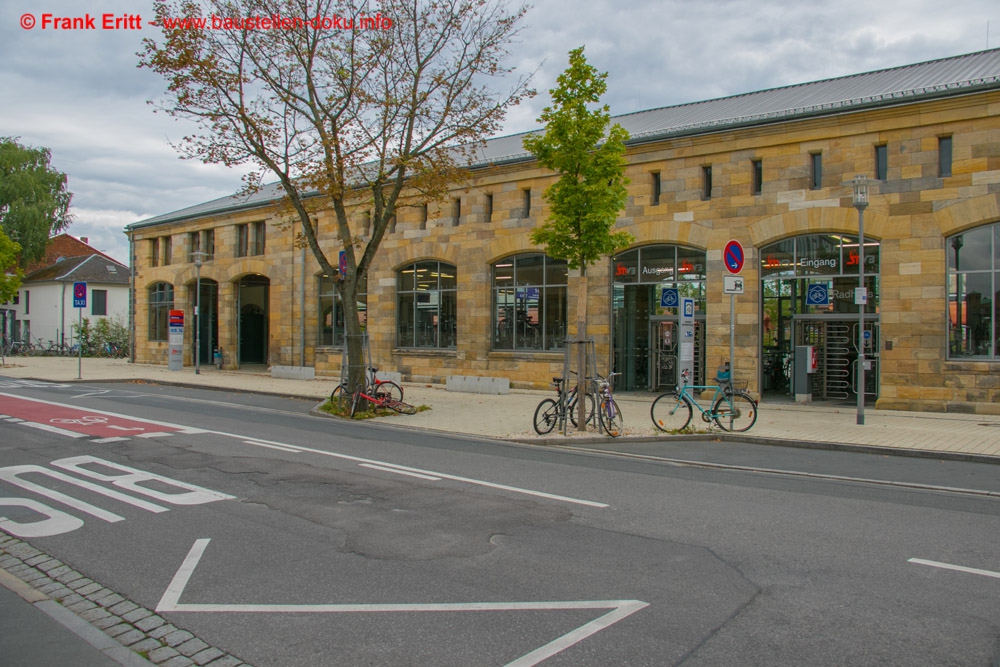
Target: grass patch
[342, 408]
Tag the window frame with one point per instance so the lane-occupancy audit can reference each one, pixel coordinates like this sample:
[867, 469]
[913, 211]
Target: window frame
[957, 282]
[445, 329]
[159, 307]
[816, 170]
[881, 162]
[99, 301]
[657, 187]
[706, 182]
[757, 176]
[946, 156]
[546, 290]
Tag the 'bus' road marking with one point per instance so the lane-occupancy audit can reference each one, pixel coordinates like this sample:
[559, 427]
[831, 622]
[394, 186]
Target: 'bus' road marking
[618, 609]
[956, 568]
[260, 442]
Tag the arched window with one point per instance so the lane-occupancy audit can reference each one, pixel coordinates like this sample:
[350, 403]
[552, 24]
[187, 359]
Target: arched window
[529, 303]
[973, 293]
[161, 302]
[331, 311]
[426, 305]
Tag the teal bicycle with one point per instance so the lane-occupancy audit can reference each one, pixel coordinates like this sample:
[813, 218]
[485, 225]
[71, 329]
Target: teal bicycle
[732, 409]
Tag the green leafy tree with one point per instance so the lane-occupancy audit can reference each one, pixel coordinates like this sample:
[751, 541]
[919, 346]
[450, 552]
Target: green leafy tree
[10, 273]
[346, 120]
[584, 203]
[34, 202]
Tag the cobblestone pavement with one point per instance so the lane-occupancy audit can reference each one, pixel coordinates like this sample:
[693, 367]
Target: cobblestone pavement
[135, 635]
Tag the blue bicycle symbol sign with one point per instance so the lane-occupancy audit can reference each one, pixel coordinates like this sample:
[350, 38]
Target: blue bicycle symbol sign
[818, 295]
[669, 298]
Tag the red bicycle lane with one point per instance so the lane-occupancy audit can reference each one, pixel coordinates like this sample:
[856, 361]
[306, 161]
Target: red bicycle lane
[78, 422]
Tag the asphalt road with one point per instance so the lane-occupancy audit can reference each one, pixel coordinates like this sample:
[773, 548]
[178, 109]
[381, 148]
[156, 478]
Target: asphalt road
[289, 539]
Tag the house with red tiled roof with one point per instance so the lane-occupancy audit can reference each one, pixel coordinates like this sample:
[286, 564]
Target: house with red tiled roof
[45, 310]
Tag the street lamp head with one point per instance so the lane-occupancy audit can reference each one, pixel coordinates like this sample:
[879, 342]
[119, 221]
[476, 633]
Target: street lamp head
[198, 255]
[860, 184]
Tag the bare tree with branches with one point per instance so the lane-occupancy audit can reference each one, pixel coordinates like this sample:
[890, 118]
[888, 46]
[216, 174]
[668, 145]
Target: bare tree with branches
[380, 114]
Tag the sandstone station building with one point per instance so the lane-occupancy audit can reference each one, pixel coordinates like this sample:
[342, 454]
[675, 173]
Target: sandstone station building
[458, 288]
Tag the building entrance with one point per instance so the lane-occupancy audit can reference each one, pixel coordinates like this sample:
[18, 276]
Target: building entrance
[252, 323]
[809, 298]
[649, 283]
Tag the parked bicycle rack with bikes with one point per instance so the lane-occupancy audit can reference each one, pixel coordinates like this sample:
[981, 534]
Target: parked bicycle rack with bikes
[732, 407]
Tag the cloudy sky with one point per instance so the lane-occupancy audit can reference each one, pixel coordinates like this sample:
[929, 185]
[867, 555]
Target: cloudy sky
[80, 93]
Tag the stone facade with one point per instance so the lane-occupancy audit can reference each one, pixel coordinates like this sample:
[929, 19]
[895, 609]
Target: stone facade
[912, 213]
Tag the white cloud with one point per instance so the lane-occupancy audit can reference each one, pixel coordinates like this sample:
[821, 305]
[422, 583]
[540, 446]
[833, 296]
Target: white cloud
[82, 95]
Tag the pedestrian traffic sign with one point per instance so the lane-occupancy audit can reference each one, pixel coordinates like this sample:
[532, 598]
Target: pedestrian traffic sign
[79, 295]
[733, 256]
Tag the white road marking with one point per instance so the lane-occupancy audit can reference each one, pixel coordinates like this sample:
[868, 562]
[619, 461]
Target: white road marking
[957, 568]
[400, 472]
[104, 441]
[54, 429]
[619, 609]
[290, 450]
[264, 443]
[154, 434]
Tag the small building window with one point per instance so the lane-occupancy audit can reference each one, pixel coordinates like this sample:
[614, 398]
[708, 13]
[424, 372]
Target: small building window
[423, 216]
[426, 305]
[167, 244]
[706, 182]
[242, 240]
[27, 302]
[526, 203]
[944, 156]
[194, 245]
[258, 238]
[654, 199]
[456, 211]
[881, 162]
[161, 302]
[816, 171]
[758, 176]
[208, 243]
[366, 223]
[154, 252]
[99, 302]
[488, 212]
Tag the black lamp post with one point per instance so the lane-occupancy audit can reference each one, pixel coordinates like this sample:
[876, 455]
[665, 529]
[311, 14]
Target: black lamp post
[861, 203]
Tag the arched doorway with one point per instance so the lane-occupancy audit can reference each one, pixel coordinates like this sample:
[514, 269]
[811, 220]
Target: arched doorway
[253, 298]
[648, 282]
[207, 320]
[808, 298]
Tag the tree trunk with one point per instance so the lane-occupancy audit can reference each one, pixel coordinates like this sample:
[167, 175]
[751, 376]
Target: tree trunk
[353, 336]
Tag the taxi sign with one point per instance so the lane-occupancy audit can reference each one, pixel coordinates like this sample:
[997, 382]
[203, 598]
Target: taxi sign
[79, 295]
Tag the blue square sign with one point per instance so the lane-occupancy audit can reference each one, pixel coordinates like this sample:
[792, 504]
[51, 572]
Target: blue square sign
[818, 295]
[79, 295]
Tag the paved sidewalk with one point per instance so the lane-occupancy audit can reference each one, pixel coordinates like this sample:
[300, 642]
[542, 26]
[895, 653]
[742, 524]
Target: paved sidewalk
[509, 416]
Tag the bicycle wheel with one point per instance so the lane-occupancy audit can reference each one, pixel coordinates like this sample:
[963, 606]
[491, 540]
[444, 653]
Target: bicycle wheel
[588, 410]
[671, 413]
[735, 412]
[546, 416]
[399, 406]
[611, 417]
[389, 390]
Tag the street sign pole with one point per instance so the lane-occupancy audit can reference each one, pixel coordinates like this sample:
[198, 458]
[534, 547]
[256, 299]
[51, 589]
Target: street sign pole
[734, 258]
[79, 302]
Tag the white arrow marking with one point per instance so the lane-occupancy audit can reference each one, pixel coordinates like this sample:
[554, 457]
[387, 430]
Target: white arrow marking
[619, 609]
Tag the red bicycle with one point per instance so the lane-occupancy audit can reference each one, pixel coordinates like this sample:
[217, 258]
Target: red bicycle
[381, 401]
[374, 386]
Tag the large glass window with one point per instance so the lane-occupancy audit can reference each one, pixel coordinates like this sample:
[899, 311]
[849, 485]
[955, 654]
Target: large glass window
[973, 293]
[331, 311]
[426, 305]
[529, 303]
[161, 301]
